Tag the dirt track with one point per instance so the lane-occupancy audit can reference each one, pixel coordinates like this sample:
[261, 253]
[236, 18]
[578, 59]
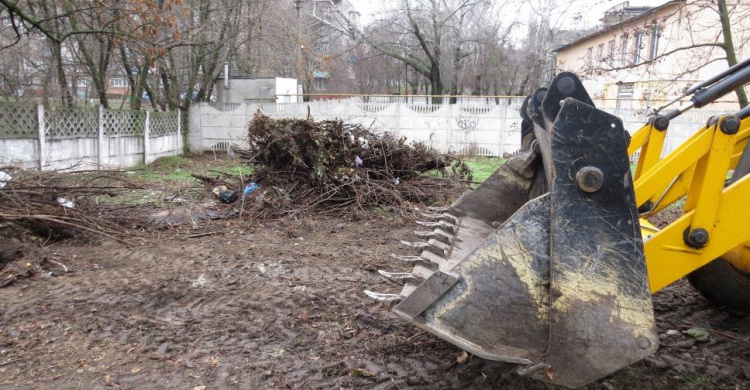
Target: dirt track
[281, 306]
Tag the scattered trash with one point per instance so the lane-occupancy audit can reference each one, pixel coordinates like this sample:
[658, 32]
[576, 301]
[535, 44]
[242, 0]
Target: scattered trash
[228, 196]
[358, 161]
[672, 332]
[68, 204]
[190, 213]
[360, 373]
[65, 269]
[217, 190]
[698, 333]
[462, 358]
[225, 195]
[4, 178]
[249, 189]
[201, 281]
[397, 181]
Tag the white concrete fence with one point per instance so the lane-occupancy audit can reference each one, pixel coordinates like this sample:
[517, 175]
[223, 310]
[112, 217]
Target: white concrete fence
[32, 136]
[474, 126]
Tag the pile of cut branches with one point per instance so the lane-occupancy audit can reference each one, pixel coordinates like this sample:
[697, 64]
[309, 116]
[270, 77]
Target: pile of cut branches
[329, 166]
[54, 206]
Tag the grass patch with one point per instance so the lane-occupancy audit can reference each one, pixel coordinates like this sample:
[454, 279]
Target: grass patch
[163, 181]
[181, 169]
[483, 167]
[698, 382]
[243, 170]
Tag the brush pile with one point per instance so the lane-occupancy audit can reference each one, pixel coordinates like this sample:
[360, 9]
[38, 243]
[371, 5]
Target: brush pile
[56, 206]
[329, 166]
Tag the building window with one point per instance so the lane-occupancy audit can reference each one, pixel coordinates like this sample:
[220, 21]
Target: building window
[611, 57]
[590, 58]
[653, 50]
[320, 84]
[637, 45]
[322, 48]
[625, 95]
[82, 82]
[117, 82]
[624, 50]
[600, 54]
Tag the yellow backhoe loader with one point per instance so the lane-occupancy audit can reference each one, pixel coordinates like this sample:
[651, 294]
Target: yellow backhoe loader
[550, 263]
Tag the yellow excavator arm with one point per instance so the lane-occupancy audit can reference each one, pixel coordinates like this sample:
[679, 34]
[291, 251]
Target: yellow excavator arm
[550, 263]
[714, 220]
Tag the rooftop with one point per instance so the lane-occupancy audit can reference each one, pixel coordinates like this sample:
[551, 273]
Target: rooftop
[606, 29]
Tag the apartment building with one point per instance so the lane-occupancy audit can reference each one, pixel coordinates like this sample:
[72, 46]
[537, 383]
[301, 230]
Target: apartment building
[643, 57]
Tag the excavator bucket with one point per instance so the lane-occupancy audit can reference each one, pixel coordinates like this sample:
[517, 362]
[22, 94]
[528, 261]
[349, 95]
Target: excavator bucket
[543, 264]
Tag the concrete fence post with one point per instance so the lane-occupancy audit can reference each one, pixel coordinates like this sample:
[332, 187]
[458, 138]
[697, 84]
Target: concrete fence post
[398, 117]
[100, 137]
[146, 136]
[504, 123]
[449, 140]
[195, 127]
[179, 131]
[41, 136]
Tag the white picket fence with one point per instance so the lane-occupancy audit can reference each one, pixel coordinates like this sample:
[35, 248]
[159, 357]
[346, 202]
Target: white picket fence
[32, 136]
[476, 126]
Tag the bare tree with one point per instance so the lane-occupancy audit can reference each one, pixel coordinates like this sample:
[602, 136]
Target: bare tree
[419, 32]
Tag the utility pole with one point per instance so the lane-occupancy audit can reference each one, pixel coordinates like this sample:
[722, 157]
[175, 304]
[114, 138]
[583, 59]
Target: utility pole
[300, 68]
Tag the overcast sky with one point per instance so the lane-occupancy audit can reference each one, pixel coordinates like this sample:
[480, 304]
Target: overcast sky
[592, 9]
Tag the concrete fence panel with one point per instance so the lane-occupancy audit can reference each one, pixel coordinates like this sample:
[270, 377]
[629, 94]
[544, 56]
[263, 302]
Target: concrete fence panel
[484, 126]
[33, 136]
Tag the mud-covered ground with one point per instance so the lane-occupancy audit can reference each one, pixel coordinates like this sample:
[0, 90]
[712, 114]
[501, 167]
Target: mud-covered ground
[281, 306]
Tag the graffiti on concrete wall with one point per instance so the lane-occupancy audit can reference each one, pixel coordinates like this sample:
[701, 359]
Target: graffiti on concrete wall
[513, 128]
[467, 123]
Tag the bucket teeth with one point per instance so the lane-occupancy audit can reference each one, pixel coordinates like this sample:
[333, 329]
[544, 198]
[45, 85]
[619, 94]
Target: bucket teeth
[440, 246]
[431, 245]
[436, 234]
[408, 259]
[441, 224]
[430, 259]
[442, 217]
[425, 234]
[384, 298]
[400, 277]
[420, 245]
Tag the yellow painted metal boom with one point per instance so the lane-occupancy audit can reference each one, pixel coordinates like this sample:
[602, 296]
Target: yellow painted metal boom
[715, 217]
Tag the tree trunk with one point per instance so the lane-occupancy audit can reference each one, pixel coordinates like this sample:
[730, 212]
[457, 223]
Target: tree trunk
[62, 80]
[436, 84]
[729, 48]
